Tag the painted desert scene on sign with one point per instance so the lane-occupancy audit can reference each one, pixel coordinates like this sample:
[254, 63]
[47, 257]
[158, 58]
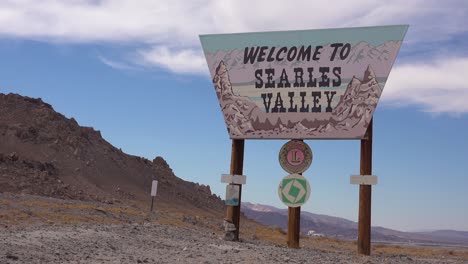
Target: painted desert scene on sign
[325, 91]
[351, 115]
[233, 132]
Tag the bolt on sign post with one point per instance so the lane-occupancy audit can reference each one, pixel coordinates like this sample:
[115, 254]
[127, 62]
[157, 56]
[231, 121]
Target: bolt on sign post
[306, 84]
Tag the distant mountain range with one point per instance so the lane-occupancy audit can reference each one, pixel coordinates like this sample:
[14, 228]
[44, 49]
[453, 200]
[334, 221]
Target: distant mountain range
[346, 229]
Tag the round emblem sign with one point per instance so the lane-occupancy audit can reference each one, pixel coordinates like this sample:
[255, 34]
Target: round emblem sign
[294, 190]
[295, 156]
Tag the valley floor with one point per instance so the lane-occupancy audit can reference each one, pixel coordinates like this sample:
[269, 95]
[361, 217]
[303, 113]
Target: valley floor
[157, 243]
[118, 234]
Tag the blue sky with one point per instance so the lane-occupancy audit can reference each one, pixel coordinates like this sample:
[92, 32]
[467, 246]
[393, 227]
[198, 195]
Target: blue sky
[137, 74]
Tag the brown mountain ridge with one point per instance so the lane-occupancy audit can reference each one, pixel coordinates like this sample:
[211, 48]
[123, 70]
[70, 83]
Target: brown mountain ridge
[44, 153]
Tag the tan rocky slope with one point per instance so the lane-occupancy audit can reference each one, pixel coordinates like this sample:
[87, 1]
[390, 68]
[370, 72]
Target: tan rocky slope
[44, 153]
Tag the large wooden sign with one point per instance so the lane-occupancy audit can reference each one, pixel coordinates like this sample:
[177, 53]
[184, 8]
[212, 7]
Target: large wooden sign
[301, 84]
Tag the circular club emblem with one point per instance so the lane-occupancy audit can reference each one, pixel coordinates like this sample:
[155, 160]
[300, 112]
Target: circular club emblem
[294, 190]
[295, 156]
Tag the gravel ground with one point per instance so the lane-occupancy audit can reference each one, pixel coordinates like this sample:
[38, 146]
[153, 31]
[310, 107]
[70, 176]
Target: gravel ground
[158, 243]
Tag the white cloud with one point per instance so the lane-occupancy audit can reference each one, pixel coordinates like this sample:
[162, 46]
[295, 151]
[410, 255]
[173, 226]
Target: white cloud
[180, 21]
[105, 20]
[180, 61]
[439, 86]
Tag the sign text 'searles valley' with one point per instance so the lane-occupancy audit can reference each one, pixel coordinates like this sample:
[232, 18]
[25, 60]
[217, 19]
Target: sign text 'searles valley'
[303, 77]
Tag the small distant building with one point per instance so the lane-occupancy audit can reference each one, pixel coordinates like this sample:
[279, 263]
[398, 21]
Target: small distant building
[312, 233]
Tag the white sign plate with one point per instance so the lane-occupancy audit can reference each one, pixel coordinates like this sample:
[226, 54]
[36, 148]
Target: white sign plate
[234, 179]
[154, 188]
[232, 195]
[363, 179]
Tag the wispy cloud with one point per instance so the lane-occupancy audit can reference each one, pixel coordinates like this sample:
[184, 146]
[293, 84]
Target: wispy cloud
[438, 86]
[166, 32]
[178, 61]
[115, 64]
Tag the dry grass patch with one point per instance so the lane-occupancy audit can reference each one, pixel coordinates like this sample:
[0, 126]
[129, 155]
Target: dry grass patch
[71, 212]
[14, 216]
[54, 205]
[273, 235]
[128, 211]
[418, 251]
[328, 244]
[4, 202]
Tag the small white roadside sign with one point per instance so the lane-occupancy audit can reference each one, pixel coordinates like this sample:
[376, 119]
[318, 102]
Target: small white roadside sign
[154, 188]
[232, 195]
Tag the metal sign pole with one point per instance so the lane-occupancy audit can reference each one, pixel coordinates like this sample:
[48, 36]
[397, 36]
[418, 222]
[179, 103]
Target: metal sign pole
[237, 166]
[365, 193]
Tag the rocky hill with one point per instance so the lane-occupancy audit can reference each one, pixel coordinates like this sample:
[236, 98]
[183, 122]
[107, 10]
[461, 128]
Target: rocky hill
[44, 153]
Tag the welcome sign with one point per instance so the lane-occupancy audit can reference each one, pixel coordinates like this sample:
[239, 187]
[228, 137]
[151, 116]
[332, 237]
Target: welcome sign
[306, 84]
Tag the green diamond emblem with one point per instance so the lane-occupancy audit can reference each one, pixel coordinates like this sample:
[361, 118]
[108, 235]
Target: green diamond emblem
[294, 191]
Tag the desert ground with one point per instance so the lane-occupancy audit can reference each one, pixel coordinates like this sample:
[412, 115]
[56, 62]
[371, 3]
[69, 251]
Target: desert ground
[37, 229]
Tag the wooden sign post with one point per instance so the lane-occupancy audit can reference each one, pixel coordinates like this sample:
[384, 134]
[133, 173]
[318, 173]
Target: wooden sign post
[237, 166]
[365, 193]
[294, 226]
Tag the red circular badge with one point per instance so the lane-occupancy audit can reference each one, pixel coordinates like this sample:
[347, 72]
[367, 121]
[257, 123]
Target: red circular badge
[295, 156]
